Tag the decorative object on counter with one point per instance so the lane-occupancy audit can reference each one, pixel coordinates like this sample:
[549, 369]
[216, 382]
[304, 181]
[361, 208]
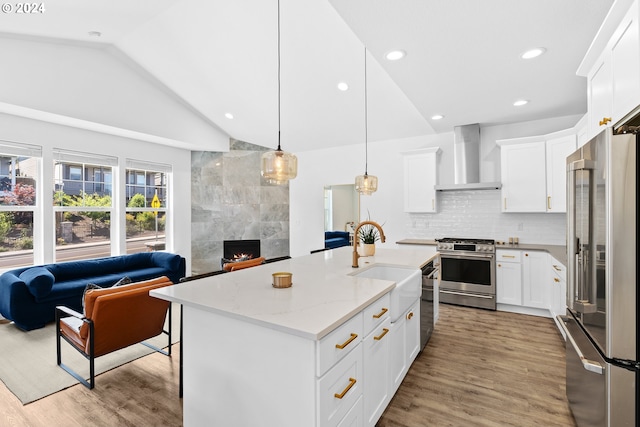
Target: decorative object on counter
[367, 232]
[282, 279]
[366, 184]
[278, 167]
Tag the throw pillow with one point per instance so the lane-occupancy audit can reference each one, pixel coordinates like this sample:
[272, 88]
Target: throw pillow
[86, 289]
[124, 281]
[39, 281]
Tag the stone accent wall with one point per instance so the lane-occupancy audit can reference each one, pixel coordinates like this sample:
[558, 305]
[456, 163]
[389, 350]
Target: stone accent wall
[231, 201]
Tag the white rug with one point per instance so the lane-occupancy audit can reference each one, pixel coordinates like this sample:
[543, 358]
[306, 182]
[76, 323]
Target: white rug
[28, 359]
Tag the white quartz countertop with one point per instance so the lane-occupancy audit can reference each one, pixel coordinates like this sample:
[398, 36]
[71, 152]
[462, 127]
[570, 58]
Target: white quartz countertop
[324, 293]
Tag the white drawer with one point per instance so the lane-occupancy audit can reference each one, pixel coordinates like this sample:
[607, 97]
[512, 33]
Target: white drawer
[376, 313]
[340, 388]
[339, 343]
[507, 255]
[559, 269]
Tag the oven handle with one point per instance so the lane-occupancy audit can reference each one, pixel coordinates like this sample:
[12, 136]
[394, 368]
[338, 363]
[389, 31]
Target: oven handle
[444, 291]
[457, 256]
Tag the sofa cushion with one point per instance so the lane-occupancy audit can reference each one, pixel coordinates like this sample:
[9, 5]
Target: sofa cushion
[166, 260]
[87, 268]
[39, 281]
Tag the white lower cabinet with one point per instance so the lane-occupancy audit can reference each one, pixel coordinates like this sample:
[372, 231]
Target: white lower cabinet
[405, 345]
[534, 279]
[377, 352]
[508, 277]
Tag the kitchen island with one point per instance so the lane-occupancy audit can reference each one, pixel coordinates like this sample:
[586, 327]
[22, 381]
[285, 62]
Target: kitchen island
[257, 355]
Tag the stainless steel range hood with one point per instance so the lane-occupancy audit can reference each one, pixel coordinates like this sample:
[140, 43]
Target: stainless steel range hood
[466, 161]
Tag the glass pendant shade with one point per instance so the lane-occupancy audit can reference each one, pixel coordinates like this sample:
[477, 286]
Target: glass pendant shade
[278, 166]
[366, 184]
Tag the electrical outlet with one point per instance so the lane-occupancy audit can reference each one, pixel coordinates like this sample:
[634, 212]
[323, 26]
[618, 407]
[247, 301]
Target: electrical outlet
[520, 226]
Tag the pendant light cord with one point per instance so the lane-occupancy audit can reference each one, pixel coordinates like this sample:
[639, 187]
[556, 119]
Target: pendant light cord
[279, 149]
[366, 135]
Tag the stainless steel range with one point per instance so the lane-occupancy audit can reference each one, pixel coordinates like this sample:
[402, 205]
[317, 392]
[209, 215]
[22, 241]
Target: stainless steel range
[468, 272]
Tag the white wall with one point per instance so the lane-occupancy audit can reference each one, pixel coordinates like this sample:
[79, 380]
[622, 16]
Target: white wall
[50, 136]
[319, 168]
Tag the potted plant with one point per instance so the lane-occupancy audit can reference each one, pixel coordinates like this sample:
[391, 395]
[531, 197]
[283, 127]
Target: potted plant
[368, 235]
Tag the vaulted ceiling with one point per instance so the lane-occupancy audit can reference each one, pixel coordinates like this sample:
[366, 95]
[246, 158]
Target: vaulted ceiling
[221, 58]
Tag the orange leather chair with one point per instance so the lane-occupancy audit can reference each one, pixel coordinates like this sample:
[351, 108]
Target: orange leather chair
[114, 318]
[235, 266]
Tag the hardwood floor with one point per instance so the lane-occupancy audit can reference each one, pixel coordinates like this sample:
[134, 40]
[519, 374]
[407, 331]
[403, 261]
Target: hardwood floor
[484, 368]
[481, 368]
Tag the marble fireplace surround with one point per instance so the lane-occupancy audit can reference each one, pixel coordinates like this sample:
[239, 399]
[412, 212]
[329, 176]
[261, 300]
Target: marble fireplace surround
[231, 201]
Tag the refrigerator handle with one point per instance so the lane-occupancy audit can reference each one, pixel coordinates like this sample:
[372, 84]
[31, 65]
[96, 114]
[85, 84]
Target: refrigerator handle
[572, 251]
[587, 364]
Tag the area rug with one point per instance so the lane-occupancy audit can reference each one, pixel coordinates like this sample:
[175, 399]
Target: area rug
[28, 359]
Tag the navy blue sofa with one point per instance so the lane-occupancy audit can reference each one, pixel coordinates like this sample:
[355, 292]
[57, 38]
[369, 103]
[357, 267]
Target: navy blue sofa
[336, 239]
[29, 295]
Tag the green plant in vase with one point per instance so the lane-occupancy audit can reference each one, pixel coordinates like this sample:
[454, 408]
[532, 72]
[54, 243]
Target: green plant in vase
[368, 235]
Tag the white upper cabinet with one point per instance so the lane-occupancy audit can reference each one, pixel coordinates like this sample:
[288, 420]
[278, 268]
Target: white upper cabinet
[523, 175]
[612, 67]
[557, 151]
[420, 178]
[534, 172]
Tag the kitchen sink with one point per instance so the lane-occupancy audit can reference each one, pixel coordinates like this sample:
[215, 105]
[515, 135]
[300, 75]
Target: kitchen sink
[408, 285]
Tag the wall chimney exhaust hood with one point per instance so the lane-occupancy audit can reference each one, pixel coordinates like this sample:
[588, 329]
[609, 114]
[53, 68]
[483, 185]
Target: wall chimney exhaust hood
[466, 161]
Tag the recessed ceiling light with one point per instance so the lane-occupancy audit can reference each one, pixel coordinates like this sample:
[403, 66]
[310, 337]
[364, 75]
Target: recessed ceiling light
[520, 102]
[394, 55]
[343, 86]
[533, 53]
[94, 33]
[437, 117]
[228, 116]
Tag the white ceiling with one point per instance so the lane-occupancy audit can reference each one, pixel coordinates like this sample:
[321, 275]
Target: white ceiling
[462, 60]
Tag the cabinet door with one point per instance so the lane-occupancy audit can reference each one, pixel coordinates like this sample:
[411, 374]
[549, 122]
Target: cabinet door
[509, 283]
[524, 177]
[625, 63]
[535, 289]
[419, 182]
[398, 366]
[377, 346]
[599, 93]
[413, 333]
[557, 151]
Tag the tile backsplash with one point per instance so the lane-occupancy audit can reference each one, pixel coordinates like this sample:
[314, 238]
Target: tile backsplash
[477, 214]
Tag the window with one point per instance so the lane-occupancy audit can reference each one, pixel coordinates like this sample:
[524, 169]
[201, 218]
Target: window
[146, 212]
[19, 165]
[83, 204]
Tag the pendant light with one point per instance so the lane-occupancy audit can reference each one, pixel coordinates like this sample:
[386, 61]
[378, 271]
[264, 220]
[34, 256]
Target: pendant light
[366, 184]
[278, 166]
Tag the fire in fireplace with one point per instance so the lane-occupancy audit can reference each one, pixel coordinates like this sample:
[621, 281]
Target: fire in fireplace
[240, 250]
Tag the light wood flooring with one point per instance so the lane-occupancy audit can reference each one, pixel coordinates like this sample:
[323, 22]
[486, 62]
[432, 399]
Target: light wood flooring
[481, 368]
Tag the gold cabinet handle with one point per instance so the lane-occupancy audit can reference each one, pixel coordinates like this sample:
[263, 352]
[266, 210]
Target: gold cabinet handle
[410, 315]
[526, 254]
[555, 279]
[549, 202]
[604, 121]
[379, 315]
[384, 332]
[508, 256]
[433, 204]
[505, 203]
[347, 342]
[352, 382]
[499, 265]
[556, 268]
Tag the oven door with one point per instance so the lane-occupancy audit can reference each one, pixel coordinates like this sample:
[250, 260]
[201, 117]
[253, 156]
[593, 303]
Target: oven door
[468, 272]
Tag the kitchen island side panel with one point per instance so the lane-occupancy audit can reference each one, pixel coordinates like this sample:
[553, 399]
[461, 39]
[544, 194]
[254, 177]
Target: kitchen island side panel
[240, 374]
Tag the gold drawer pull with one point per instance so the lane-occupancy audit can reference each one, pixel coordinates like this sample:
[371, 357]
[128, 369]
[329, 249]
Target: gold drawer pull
[604, 121]
[556, 268]
[379, 315]
[555, 279]
[508, 256]
[347, 342]
[410, 315]
[505, 203]
[352, 382]
[548, 202]
[384, 332]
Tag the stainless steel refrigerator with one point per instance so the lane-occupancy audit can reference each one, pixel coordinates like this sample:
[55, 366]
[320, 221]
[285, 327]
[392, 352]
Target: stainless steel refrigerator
[601, 322]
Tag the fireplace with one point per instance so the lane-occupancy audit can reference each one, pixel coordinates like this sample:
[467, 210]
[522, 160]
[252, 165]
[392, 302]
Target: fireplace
[240, 250]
